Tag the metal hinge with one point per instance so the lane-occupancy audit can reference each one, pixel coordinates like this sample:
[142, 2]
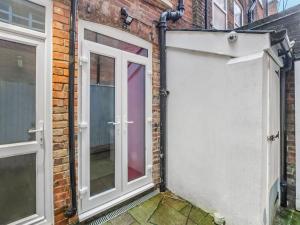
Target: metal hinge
[83, 60]
[83, 191]
[82, 126]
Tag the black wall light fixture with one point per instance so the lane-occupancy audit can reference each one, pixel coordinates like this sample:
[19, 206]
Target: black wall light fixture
[127, 20]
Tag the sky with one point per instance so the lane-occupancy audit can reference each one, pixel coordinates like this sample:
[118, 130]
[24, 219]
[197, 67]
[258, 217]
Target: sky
[289, 3]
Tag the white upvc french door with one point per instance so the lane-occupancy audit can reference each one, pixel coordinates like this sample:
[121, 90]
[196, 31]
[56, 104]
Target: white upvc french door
[99, 187]
[137, 120]
[115, 125]
[22, 148]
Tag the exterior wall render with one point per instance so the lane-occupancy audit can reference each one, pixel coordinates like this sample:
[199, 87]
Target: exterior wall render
[289, 21]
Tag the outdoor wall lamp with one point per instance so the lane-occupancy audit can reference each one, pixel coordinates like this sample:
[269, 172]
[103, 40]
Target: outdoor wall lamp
[127, 20]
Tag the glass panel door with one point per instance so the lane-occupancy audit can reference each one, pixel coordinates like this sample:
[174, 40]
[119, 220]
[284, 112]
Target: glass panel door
[136, 120]
[21, 132]
[136, 110]
[101, 109]
[115, 124]
[102, 127]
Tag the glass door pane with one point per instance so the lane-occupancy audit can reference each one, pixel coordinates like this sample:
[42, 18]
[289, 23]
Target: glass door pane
[136, 120]
[102, 127]
[18, 187]
[17, 92]
[21, 105]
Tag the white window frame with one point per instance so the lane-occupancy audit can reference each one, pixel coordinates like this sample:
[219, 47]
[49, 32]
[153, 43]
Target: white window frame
[224, 10]
[242, 13]
[33, 37]
[132, 189]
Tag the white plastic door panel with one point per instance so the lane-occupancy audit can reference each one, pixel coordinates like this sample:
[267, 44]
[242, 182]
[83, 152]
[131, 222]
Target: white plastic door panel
[22, 151]
[101, 125]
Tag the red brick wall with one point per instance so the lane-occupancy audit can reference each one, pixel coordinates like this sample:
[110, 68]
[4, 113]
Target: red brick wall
[146, 14]
[290, 139]
[198, 13]
[61, 12]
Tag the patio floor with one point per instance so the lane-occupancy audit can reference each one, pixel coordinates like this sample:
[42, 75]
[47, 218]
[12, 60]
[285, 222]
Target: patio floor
[163, 209]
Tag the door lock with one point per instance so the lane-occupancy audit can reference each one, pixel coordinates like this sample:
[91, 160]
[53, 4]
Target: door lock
[273, 137]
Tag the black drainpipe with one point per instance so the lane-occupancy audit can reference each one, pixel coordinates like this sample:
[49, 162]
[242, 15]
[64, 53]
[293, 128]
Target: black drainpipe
[173, 15]
[251, 10]
[72, 210]
[288, 62]
[206, 14]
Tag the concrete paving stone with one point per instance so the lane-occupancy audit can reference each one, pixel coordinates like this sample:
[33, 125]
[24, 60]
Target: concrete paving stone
[190, 222]
[175, 202]
[165, 215]
[123, 219]
[199, 216]
[186, 210]
[143, 212]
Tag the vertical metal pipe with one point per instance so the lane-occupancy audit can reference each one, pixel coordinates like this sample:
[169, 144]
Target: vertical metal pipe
[206, 14]
[165, 16]
[283, 174]
[163, 106]
[71, 211]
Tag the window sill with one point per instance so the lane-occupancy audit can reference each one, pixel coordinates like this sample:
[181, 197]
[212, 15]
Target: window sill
[166, 3]
[162, 4]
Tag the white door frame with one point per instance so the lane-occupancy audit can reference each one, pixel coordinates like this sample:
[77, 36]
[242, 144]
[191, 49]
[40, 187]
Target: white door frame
[43, 43]
[133, 188]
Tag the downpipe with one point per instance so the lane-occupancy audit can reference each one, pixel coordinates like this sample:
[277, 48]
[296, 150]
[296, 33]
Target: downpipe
[164, 18]
[72, 210]
[288, 62]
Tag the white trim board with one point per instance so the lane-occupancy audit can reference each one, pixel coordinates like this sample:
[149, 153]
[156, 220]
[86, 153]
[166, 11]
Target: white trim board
[297, 131]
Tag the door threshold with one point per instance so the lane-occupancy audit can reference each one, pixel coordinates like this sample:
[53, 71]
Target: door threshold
[93, 212]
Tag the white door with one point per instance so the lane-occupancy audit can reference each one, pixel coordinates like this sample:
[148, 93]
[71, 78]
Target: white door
[101, 112]
[273, 152]
[136, 147]
[22, 85]
[116, 124]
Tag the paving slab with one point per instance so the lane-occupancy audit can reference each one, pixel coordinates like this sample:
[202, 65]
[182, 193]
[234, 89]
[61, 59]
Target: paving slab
[123, 219]
[198, 215]
[144, 211]
[163, 209]
[175, 202]
[165, 215]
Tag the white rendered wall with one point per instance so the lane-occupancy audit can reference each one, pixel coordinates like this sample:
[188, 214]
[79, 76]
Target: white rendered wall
[297, 129]
[216, 148]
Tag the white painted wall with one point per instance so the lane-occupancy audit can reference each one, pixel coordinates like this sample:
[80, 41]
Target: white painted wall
[297, 130]
[217, 128]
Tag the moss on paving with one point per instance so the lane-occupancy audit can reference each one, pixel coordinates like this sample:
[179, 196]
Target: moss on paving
[163, 209]
[287, 217]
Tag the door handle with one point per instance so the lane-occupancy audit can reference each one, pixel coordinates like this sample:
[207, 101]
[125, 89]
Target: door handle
[129, 122]
[31, 131]
[41, 130]
[113, 123]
